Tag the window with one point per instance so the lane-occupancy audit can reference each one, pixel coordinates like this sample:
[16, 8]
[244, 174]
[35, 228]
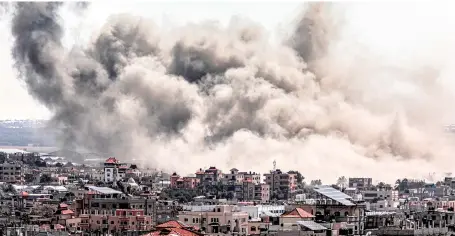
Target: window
[194, 220]
[185, 220]
[112, 222]
[253, 228]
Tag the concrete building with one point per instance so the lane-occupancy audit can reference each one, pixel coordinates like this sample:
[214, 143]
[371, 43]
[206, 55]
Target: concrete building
[216, 220]
[281, 184]
[184, 182]
[389, 195]
[114, 170]
[249, 191]
[102, 200]
[360, 183]
[210, 176]
[115, 220]
[236, 177]
[11, 173]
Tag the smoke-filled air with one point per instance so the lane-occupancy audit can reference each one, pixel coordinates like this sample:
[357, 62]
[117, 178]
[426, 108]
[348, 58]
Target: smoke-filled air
[227, 96]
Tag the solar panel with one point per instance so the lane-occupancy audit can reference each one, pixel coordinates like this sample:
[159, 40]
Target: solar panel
[335, 195]
[311, 225]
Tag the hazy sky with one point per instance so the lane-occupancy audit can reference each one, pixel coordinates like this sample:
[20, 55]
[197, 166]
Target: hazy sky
[404, 32]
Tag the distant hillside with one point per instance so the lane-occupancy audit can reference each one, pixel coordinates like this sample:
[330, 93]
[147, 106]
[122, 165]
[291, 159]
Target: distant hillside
[25, 132]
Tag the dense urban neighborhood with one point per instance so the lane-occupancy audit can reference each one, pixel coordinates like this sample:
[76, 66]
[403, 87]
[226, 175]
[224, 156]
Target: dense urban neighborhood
[45, 194]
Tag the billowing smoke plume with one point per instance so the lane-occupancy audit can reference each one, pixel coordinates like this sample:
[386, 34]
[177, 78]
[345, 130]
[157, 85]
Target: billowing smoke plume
[209, 95]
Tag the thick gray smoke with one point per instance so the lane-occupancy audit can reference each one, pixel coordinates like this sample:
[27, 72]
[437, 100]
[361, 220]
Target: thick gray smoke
[209, 95]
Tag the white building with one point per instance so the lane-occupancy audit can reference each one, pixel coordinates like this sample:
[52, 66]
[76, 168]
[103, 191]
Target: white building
[260, 211]
[113, 170]
[216, 220]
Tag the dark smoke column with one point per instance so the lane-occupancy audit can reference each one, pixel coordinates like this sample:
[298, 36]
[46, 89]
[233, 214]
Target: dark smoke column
[37, 44]
[40, 60]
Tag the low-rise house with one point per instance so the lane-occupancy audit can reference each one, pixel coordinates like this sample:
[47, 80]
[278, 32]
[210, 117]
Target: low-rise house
[297, 214]
[215, 220]
[184, 182]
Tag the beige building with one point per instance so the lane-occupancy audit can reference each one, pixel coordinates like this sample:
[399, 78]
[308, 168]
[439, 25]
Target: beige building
[11, 173]
[216, 220]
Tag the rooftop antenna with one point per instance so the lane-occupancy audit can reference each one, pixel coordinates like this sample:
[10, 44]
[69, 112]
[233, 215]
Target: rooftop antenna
[274, 165]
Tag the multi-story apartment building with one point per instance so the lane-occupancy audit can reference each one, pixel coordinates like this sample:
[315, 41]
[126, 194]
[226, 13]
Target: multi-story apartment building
[115, 220]
[184, 182]
[249, 191]
[102, 199]
[114, 170]
[210, 176]
[11, 173]
[281, 184]
[215, 220]
[360, 183]
[371, 195]
[236, 177]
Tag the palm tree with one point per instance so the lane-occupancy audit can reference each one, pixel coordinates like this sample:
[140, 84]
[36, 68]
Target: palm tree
[397, 184]
[342, 182]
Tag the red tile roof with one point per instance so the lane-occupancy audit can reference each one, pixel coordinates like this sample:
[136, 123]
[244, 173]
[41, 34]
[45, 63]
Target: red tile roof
[172, 224]
[297, 212]
[67, 212]
[59, 226]
[111, 160]
[174, 231]
[63, 205]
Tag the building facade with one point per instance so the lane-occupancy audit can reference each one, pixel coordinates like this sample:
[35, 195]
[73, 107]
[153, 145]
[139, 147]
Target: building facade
[281, 184]
[11, 173]
[226, 219]
[360, 183]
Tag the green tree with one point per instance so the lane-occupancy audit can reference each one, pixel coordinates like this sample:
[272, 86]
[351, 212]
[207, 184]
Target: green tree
[342, 182]
[45, 178]
[300, 178]
[29, 178]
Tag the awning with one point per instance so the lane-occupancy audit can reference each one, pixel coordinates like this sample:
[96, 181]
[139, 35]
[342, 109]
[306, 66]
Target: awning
[311, 225]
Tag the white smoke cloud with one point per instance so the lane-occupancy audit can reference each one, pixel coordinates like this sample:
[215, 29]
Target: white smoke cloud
[205, 94]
